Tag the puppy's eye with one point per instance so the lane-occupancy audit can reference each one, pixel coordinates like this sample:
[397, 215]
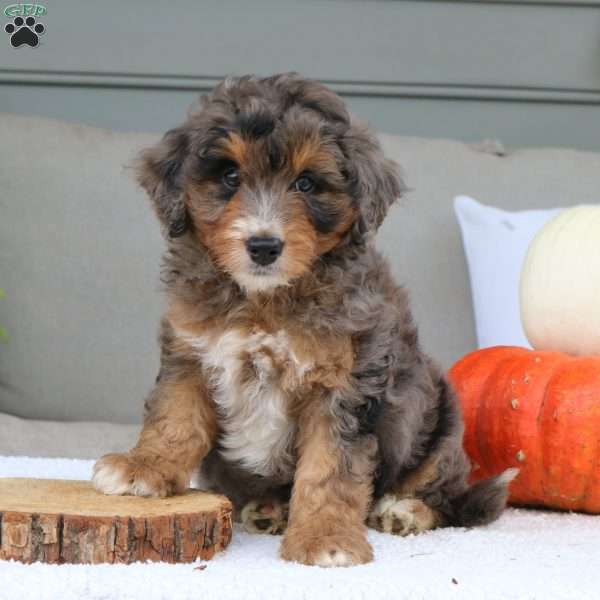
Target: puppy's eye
[304, 184]
[231, 178]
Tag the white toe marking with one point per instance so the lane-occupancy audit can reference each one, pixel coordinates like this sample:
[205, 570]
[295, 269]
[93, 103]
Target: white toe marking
[140, 488]
[412, 514]
[109, 480]
[384, 504]
[337, 559]
[404, 511]
[248, 515]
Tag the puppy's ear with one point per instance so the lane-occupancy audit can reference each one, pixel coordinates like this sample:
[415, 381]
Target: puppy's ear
[159, 172]
[375, 181]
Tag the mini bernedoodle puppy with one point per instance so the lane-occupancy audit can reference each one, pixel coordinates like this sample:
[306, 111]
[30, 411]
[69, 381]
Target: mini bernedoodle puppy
[291, 373]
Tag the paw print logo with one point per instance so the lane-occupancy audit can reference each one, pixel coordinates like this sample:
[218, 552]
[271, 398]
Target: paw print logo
[24, 31]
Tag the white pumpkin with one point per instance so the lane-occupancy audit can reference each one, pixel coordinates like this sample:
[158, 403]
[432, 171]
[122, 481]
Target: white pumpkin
[560, 284]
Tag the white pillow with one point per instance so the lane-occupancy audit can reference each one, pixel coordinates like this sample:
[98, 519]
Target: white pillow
[496, 243]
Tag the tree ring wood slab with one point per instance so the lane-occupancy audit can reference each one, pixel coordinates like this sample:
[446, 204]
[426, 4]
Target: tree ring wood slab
[56, 521]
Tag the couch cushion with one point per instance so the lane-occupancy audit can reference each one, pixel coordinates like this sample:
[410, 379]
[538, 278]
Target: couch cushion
[79, 262]
[80, 248]
[29, 437]
[422, 237]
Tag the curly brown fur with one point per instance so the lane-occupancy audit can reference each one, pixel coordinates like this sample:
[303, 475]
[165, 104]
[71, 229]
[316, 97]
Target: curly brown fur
[291, 368]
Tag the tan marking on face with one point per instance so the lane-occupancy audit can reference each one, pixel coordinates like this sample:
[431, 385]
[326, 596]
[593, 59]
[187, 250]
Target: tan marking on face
[304, 244]
[236, 148]
[300, 238]
[328, 241]
[311, 154]
[223, 241]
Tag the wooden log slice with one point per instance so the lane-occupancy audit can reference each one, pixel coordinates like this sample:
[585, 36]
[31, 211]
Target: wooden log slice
[55, 521]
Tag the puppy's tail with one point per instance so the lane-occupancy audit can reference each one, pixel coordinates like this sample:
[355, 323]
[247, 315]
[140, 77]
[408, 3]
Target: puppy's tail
[483, 502]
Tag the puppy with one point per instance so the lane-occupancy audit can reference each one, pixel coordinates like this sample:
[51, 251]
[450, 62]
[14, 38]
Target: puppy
[291, 373]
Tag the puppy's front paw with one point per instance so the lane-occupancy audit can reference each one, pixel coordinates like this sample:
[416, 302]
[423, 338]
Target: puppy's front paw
[136, 475]
[331, 550]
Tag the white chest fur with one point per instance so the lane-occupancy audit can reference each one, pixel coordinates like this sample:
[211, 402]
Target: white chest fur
[245, 378]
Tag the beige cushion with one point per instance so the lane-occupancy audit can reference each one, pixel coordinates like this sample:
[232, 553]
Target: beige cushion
[422, 237]
[29, 437]
[79, 263]
[80, 248]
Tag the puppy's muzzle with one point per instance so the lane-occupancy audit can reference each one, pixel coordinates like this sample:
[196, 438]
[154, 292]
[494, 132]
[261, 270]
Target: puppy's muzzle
[264, 250]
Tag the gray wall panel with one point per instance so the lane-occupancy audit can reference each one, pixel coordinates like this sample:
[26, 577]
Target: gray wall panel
[513, 123]
[340, 40]
[525, 72]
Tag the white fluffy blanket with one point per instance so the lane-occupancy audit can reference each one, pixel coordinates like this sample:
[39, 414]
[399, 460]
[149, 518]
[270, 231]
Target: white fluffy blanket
[525, 555]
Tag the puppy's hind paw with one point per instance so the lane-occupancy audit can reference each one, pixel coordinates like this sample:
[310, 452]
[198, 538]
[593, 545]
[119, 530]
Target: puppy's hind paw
[265, 517]
[402, 516]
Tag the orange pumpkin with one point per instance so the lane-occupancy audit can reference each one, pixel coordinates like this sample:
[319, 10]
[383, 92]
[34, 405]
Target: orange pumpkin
[540, 412]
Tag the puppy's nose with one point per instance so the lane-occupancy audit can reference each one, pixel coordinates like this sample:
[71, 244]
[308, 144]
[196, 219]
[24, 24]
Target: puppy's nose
[264, 250]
